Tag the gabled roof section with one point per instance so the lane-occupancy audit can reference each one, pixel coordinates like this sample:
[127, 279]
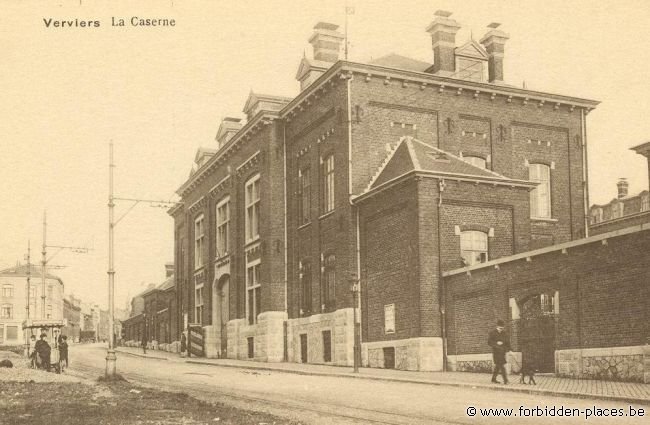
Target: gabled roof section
[307, 65]
[472, 49]
[394, 60]
[267, 101]
[412, 155]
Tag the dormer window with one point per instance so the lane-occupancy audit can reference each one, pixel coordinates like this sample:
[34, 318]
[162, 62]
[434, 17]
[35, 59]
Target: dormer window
[471, 59]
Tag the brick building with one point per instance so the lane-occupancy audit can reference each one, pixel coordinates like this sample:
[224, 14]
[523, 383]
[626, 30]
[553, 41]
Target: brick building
[393, 171]
[625, 210]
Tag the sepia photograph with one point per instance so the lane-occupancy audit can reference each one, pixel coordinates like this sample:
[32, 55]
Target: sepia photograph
[324, 212]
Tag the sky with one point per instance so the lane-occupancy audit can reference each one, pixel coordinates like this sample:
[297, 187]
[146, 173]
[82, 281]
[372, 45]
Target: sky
[160, 93]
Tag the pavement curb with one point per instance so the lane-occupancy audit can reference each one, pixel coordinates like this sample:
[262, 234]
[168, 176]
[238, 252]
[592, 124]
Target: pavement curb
[144, 356]
[436, 383]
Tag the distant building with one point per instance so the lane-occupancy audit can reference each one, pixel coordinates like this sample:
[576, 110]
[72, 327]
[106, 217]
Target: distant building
[46, 303]
[625, 210]
[72, 316]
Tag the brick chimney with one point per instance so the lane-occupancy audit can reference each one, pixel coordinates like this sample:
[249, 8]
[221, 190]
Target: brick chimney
[622, 186]
[443, 39]
[169, 269]
[494, 42]
[326, 42]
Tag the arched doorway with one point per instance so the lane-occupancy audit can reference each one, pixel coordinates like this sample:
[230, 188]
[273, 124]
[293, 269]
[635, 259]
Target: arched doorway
[537, 329]
[221, 311]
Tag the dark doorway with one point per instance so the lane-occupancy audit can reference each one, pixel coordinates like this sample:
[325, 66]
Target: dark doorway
[389, 357]
[327, 346]
[536, 332]
[303, 348]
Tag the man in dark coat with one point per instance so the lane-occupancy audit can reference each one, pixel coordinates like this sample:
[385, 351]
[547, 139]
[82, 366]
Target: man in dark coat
[63, 350]
[43, 349]
[500, 342]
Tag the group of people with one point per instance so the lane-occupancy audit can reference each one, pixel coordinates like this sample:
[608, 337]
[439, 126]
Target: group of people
[40, 351]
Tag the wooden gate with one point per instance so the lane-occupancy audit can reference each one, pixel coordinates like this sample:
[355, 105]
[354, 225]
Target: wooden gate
[536, 332]
[195, 341]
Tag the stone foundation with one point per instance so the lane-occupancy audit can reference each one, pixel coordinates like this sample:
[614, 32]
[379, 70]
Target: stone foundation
[611, 364]
[422, 354]
[267, 334]
[481, 363]
[339, 323]
[211, 342]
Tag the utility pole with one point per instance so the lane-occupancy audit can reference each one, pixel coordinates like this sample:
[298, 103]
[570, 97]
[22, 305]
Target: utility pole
[110, 355]
[29, 274]
[43, 264]
[111, 358]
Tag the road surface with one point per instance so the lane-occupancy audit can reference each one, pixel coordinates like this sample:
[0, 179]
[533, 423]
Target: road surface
[335, 400]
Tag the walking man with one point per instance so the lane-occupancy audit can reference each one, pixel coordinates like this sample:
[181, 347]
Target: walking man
[500, 342]
[43, 349]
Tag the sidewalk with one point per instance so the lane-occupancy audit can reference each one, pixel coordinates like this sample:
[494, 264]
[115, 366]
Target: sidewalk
[628, 392]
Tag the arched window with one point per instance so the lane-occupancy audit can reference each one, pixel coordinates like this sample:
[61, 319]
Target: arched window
[476, 161]
[540, 197]
[328, 290]
[473, 247]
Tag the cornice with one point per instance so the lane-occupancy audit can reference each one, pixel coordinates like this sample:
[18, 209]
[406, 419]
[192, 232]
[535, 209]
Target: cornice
[261, 120]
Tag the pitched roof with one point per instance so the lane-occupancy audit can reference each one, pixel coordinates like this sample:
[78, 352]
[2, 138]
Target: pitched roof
[20, 270]
[412, 155]
[394, 60]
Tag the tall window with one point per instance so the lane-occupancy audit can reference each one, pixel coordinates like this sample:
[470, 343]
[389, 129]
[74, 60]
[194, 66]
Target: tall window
[253, 208]
[305, 283]
[253, 292]
[6, 311]
[645, 202]
[304, 196]
[7, 291]
[618, 209]
[476, 161]
[49, 311]
[198, 303]
[473, 247]
[540, 197]
[327, 176]
[50, 292]
[329, 283]
[223, 218]
[199, 241]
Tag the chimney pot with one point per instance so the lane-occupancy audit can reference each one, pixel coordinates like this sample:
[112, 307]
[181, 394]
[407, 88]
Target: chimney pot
[622, 187]
[443, 40]
[494, 42]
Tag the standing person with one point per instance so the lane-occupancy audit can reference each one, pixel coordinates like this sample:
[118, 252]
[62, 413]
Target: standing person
[144, 343]
[500, 342]
[32, 351]
[183, 344]
[43, 349]
[63, 350]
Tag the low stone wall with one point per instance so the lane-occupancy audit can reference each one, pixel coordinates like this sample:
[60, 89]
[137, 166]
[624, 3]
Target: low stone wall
[482, 363]
[339, 323]
[611, 364]
[422, 354]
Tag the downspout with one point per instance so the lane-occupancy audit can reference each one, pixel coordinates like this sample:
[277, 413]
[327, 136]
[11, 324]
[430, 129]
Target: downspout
[286, 264]
[585, 173]
[441, 291]
[355, 207]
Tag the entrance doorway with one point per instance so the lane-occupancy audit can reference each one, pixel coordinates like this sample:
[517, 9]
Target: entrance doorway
[221, 311]
[536, 332]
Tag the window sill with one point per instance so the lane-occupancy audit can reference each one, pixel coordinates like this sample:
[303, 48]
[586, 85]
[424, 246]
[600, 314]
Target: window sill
[546, 220]
[327, 214]
[251, 242]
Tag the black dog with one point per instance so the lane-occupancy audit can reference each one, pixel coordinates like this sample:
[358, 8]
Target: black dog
[528, 371]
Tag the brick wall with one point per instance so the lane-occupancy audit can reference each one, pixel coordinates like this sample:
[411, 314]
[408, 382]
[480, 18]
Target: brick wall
[604, 297]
